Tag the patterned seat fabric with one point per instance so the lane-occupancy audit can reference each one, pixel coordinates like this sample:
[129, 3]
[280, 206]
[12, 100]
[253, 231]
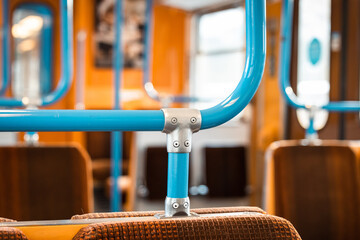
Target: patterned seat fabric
[255, 224]
[11, 234]
[152, 213]
[252, 226]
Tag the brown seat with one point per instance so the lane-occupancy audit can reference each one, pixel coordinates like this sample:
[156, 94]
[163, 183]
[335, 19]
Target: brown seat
[152, 213]
[241, 223]
[44, 182]
[315, 186]
[11, 233]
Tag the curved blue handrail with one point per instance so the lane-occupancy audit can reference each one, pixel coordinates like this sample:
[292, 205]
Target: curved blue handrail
[137, 120]
[285, 60]
[253, 71]
[66, 46]
[147, 83]
[5, 47]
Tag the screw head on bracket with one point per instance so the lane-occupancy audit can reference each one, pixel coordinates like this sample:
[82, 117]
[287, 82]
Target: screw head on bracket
[175, 205]
[174, 120]
[176, 144]
[193, 120]
[187, 143]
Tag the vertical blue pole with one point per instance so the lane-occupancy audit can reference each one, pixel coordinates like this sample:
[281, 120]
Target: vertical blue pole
[178, 175]
[147, 42]
[116, 137]
[5, 47]
[310, 131]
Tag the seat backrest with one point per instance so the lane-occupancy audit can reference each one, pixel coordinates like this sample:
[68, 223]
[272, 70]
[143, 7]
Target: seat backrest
[220, 223]
[44, 182]
[316, 187]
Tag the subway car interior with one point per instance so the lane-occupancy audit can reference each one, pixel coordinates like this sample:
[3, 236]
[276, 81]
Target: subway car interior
[180, 119]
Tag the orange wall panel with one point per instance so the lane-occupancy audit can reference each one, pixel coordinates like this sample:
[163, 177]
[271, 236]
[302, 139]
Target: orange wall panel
[169, 63]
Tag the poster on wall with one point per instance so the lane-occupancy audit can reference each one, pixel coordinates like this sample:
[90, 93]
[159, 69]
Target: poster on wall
[132, 33]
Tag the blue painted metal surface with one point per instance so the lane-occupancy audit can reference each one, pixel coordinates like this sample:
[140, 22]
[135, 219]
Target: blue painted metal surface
[254, 68]
[285, 60]
[5, 47]
[119, 120]
[46, 59]
[81, 120]
[105, 120]
[116, 170]
[178, 175]
[116, 137]
[310, 131]
[66, 60]
[147, 55]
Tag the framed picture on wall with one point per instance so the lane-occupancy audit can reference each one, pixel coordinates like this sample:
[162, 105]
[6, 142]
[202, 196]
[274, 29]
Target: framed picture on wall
[132, 33]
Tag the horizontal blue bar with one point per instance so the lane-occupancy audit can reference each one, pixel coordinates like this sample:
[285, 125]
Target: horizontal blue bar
[81, 120]
[178, 175]
[285, 60]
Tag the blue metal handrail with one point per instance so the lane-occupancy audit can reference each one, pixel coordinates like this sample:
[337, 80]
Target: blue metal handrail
[116, 136]
[66, 46]
[142, 120]
[147, 83]
[5, 47]
[285, 60]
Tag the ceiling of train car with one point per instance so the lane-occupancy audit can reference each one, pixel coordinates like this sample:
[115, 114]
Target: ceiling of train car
[191, 5]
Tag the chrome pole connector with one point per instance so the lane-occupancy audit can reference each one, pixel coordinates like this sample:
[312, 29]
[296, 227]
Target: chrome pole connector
[180, 124]
[176, 207]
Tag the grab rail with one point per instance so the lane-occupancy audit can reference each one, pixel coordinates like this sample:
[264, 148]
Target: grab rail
[153, 120]
[116, 136]
[66, 7]
[161, 120]
[285, 59]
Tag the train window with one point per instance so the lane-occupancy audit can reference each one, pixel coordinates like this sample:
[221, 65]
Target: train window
[313, 74]
[32, 51]
[219, 55]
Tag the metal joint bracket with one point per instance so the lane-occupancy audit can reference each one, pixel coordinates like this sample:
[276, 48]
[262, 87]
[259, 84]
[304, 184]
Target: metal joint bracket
[180, 124]
[177, 207]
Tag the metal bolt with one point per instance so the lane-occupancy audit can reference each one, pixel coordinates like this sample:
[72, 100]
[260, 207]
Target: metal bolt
[187, 143]
[176, 144]
[193, 120]
[174, 120]
[186, 205]
[175, 205]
